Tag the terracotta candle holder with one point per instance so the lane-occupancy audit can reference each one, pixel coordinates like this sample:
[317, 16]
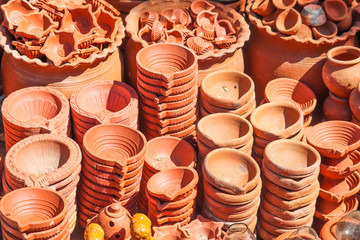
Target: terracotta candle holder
[202, 226]
[14, 10]
[201, 5]
[288, 22]
[35, 26]
[108, 24]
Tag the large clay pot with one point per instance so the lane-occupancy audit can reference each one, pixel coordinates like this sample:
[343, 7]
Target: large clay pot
[271, 55]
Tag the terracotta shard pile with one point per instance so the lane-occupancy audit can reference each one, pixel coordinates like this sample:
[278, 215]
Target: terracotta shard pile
[227, 91]
[46, 161]
[34, 213]
[112, 165]
[167, 87]
[35, 110]
[232, 187]
[171, 196]
[290, 187]
[103, 102]
[163, 153]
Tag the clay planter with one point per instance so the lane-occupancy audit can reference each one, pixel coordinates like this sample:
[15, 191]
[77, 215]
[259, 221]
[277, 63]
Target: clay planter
[288, 21]
[40, 209]
[204, 227]
[285, 120]
[172, 184]
[232, 91]
[340, 168]
[343, 137]
[170, 232]
[336, 108]
[340, 70]
[326, 210]
[305, 160]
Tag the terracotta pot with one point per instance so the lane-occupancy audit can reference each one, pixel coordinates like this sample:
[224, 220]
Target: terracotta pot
[327, 30]
[326, 210]
[342, 136]
[339, 72]
[201, 227]
[288, 22]
[154, 127]
[345, 24]
[263, 233]
[261, 142]
[233, 91]
[340, 168]
[354, 99]
[270, 20]
[336, 108]
[108, 24]
[335, 10]
[166, 220]
[283, 5]
[286, 119]
[263, 7]
[170, 232]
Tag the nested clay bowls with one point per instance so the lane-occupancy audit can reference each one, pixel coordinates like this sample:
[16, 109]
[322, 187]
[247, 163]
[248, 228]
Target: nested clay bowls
[35, 110]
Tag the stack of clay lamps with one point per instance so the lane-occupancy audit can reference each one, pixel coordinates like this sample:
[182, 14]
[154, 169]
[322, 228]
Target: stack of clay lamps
[103, 102]
[34, 213]
[167, 87]
[337, 142]
[163, 153]
[292, 91]
[46, 161]
[227, 91]
[232, 187]
[290, 187]
[275, 121]
[112, 165]
[171, 196]
[35, 110]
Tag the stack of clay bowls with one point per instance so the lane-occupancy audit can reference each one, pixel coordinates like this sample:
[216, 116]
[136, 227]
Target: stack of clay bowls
[46, 161]
[167, 87]
[232, 187]
[163, 153]
[292, 91]
[171, 196]
[103, 102]
[227, 91]
[290, 187]
[34, 213]
[274, 121]
[338, 143]
[35, 110]
[112, 167]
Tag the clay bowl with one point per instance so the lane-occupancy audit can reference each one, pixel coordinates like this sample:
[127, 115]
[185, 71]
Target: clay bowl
[33, 209]
[288, 22]
[224, 130]
[336, 190]
[241, 175]
[327, 30]
[182, 62]
[14, 10]
[326, 210]
[261, 232]
[335, 10]
[172, 184]
[273, 121]
[334, 139]
[290, 90]
[107, 143]
[305, 160]
[227, 89]
[177, 153]
[340, 168]
[35, 26]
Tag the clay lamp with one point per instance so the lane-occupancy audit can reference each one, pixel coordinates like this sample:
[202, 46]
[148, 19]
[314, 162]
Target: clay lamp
[335, 10]
[305, 160]
[175, 16]
[60, 47]
[108, 24]
[173, 232]
[14, 10]
[273, 121]
[207, 19]
[172, 184]
[288, 22]
[199, 45]
[229, 29]
[327, 30]
[326, 211]
[263, 7]
[284, 4]
[206, 32]
[313, 15]
[241, 175]
[203, 227]
[225, 42]
[302, 3]
[85, 53]
[291, 90]
[157, 30]
[145, 33]
[159, 158]
[340, 168]
[334, 139]
[227, 89]
[27, 50]
[175, 36]
[148, 18]
[270, 20]
[33, 209]
[107, 6]
[198, 6]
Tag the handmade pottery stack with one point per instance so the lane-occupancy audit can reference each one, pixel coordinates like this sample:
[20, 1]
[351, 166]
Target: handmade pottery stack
[171, 196]
[292, 91]
[290, 187]
[338, 143]
[34, 213]
[232, 187]
[112, 167]
[163, 153]
[32, 111]
[227, 91]
[167, 87]
[103, 102]
[341, 75]
[46, 161]
[274, 121]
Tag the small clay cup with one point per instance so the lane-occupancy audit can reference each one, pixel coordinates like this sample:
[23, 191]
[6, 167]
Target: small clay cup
[327, 30]
[288, 22]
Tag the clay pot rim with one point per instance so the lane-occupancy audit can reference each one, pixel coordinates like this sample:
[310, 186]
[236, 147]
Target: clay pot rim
[294, 38]
[63, 113]
[291, 171]
[132, 26]
[340, 49]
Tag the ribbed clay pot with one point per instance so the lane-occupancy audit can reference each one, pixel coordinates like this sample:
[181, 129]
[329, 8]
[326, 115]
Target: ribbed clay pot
[336, 108]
